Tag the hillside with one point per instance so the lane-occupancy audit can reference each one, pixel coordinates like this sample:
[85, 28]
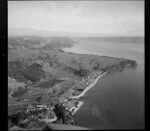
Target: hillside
[39, 71]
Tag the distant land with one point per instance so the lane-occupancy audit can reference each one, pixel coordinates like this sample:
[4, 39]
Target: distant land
[46, 33]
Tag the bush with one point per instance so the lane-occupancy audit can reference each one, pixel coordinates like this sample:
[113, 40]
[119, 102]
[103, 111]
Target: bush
[81, 72]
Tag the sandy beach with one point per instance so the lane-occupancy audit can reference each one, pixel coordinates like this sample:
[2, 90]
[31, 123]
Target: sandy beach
[89, 87]
[79, 105]
[82, 94]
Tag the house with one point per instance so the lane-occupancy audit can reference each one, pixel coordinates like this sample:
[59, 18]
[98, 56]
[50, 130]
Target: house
[30, 108]
[81, 89]
[72, 109]
[65, 104]
[41, 106]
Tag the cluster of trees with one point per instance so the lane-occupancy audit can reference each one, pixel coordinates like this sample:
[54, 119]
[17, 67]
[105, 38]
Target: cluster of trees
[24, 120]
[63, 115]
[81, 72]
[53, 62]
[49, 83]
[131, 63]
[23, 72]
[20, 91]
[121, 66]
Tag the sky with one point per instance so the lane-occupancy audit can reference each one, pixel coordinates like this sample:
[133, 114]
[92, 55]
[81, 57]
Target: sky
[102, 18]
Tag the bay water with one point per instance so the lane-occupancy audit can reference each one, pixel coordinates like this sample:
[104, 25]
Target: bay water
[117, 100]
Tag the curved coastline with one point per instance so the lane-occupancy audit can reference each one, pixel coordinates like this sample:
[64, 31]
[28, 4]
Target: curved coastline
[89, 87]
[83, 93]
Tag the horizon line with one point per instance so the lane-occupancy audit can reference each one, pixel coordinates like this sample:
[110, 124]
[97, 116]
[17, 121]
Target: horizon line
[74, 34]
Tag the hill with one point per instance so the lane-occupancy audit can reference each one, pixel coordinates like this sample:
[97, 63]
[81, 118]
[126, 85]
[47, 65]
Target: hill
[39, 71]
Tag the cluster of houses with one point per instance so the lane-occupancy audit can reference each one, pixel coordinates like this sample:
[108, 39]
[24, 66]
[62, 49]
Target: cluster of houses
[70, 105]
[16, 47]
[36, 113]
[35, 107]
[85, 82]
[67, 107]
[64, 111]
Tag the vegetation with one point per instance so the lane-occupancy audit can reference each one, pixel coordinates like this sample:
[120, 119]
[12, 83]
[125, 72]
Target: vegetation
[81, 72]
[20, 91]
[49, 83]
[34, 116]
[22, 72]
[63, 115]
[40, 63]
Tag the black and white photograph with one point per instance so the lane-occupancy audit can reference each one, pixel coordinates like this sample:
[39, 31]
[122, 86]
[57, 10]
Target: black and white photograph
[76, 65]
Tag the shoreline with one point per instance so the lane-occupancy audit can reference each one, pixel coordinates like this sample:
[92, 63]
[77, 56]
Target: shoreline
[92, 53]
[82, 94]
[89, 87]
[79, 105]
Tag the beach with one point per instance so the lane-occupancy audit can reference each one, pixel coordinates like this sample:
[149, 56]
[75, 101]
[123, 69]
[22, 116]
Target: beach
[82, 94]
[79, 105]
[89, 87]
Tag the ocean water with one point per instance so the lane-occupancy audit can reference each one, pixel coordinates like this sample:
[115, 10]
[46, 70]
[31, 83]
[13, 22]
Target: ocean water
[117, 100]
